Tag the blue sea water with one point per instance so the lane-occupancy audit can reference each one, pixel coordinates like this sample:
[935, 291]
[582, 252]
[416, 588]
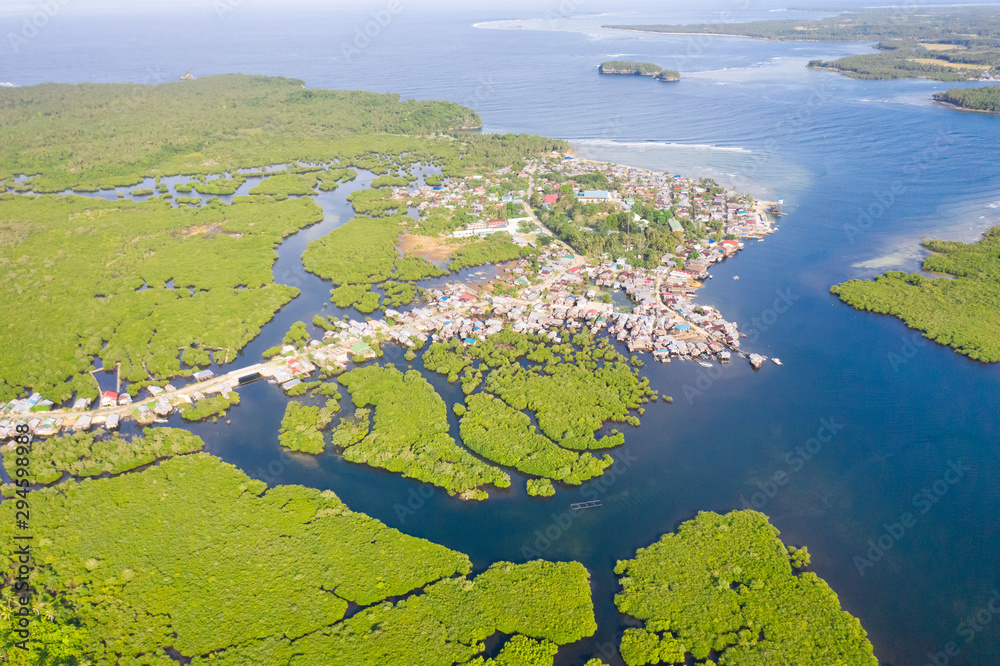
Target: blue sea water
[863, 423]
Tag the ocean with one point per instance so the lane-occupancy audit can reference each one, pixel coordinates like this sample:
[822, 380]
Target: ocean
[864, 422]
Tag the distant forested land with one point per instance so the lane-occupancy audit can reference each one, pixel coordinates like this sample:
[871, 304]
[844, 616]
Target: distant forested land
[911, 62]
[943, 43]
[986, 98]
[113, 135]
[960, 25]
[961, 313]
[130, 569]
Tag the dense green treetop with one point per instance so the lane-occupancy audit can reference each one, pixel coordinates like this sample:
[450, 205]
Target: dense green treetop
[726, 584]
[302, 425]
[353, 429]
[985, 98]
[113, 135]
[358, 296]
[214, 405]
[129, 566]
[363, 251]
[87, 454]
[899, 65]
[539, 604]
[329, 180]
[540, 488]
[961, 312]
[224, 122]
[400, 293]
[497, 350]
[494, 249]
[135, 563]
[573, 387]
[74, 269]
[499, 433]
[410, 433]
[285, 184]
[629, 67]
[570, 400]
[130, 570]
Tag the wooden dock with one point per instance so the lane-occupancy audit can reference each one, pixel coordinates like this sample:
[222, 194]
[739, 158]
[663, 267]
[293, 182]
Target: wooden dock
[585, 505]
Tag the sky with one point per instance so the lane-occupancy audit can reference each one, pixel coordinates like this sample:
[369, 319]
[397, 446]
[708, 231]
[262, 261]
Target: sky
[29, 6]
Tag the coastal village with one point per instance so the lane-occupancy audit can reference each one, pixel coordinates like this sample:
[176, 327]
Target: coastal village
[549, 292]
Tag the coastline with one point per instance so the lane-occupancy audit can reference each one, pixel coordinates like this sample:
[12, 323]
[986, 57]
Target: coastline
[707, 34]
[962, 108]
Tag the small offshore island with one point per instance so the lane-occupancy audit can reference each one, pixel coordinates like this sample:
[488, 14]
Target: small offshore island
[628, 68]
[151, 550]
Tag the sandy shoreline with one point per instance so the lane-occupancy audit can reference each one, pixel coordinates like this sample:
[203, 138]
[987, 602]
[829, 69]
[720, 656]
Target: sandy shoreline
[962, 108]
[706, 34]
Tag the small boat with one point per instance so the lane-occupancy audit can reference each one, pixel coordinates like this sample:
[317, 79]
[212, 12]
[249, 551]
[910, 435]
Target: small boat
[159, 421]
[704, 365]
[736, 277]
[710, 277]
[777, 361]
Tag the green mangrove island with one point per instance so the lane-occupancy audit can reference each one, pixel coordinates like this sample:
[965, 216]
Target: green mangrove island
[572, 389]
[130, 570]
[942, 43]
[628, 67]
[726, 590]
[960, 312]
[302, 425]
